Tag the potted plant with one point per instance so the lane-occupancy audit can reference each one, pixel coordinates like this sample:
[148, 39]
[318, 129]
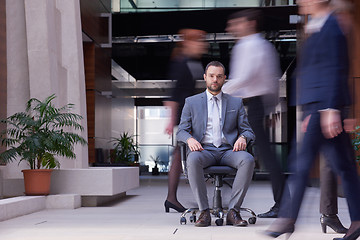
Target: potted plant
[125, 151]
[37, 136]
[157, 161]
[356, 142]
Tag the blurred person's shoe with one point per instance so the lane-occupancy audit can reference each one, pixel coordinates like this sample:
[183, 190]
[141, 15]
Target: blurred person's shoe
[272, 213]
[281, 226]
[352, 236]
[333, 222]
[233, 218]
[169, 205]
[204, 219]
[353, 233]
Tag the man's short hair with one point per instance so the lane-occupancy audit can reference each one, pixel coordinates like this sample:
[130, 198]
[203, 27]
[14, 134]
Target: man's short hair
[215, 64]
[250, 15]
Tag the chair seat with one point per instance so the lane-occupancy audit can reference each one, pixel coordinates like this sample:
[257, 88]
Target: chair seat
[220, 170]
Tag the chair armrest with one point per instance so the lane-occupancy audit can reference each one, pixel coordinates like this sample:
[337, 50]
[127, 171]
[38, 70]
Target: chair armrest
[250, 148]
[182, 147]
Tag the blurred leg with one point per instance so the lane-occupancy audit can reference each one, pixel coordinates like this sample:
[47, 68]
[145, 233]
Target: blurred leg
[296, 182]
[256, 116]
[328, 188]
[341, 159]
[174, 177]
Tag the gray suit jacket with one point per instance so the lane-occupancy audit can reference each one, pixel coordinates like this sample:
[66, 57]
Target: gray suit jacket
[194, 119]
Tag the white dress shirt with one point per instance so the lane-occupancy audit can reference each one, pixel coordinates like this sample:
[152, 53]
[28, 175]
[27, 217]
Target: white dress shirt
[254, 69]
[315, 24]
[208, 138]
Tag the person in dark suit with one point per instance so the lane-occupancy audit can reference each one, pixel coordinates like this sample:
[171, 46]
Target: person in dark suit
[343, 11]
[214, 125]
[324, 97]
[185, 68]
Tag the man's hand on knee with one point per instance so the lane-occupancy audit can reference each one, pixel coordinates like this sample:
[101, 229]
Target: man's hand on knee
[194, 145]
[240, 144]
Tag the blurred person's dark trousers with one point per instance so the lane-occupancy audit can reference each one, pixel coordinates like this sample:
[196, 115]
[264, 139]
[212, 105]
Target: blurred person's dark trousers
[256, 117]
[328, 189]
[338, 151]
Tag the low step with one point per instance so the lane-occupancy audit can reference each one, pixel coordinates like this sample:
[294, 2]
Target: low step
[23, 205]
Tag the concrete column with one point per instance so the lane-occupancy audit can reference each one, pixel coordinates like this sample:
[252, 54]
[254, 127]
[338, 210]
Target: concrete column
[45, 56]
[18, 88]
[72, 60]
[42, 34]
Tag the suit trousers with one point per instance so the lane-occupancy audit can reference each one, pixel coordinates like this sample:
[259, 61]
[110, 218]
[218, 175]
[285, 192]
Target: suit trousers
[224, 155]
[256, 116]
[338, 152]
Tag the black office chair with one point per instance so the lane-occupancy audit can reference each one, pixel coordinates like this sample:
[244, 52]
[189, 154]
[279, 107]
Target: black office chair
[216, 174]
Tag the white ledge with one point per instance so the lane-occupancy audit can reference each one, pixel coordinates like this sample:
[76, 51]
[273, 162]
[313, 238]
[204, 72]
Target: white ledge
[95, 181]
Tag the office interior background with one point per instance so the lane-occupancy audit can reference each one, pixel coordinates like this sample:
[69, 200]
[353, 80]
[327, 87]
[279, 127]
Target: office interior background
[110, 58]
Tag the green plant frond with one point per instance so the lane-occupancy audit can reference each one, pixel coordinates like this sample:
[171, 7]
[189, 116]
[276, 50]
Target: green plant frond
[68, 120]
[19, 120]
[69, 138]
[13, 132]
[49, 99]
[9, 141]
[30, 103]
[49, 161]
[9, 155]
[16, 117]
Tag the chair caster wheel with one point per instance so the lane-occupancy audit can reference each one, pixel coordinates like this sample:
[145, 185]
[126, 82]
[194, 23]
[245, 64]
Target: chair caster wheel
[193, 218]
[219, 222]
[252, 220]
[183, 220]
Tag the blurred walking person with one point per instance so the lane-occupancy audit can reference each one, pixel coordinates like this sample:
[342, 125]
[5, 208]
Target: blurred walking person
[324, 97]
[254, 76]
[185, 68]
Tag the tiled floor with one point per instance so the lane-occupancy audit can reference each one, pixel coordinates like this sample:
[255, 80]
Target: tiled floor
[141, 216]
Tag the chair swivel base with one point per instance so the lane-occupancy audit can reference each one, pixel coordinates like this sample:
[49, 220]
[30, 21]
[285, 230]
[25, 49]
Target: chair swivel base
[219, 213]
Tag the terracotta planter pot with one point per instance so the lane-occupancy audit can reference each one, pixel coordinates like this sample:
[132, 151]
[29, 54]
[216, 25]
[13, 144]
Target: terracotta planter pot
[37, 181]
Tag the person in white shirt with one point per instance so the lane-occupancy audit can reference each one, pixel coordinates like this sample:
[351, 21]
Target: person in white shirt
[254, 76]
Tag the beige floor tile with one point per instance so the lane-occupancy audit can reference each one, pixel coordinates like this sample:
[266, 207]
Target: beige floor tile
[140, 215]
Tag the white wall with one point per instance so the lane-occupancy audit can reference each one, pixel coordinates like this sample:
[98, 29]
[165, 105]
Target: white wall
[122, 116]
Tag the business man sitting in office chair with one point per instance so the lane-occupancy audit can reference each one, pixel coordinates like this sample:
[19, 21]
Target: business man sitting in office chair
[215, 127]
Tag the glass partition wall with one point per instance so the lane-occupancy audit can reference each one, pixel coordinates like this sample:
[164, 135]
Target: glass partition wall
[155, 145]
[182, 5]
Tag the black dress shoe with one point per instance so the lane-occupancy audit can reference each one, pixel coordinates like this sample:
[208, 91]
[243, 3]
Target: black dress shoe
[333, 222]
[169, 205]
[281, 226]
[204, 219]
[352, 236]
[278, 234]
[272, 213]
[233, 218]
